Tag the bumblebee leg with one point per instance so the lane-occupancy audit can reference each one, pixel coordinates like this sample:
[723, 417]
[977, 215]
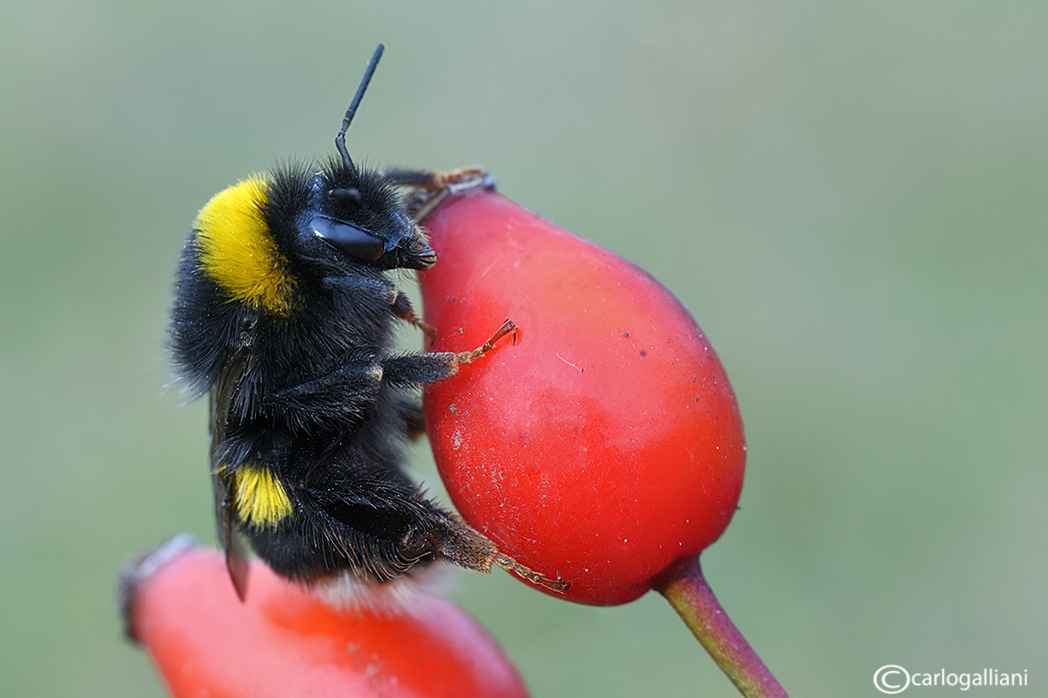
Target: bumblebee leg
[430, 188]
[341, 394]
[460, 544]
[399, 303]
[410, 411]
[402, 309]
[431, 179]
[467, 357]
[415, 370]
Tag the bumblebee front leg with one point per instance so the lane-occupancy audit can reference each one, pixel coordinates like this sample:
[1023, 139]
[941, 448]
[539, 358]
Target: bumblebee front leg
[430, 188]
[436, 179]
[399, 303]
[402, 309]
[416, 370]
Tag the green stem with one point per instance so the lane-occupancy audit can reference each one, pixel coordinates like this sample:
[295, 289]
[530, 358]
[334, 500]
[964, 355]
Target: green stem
[691, 597]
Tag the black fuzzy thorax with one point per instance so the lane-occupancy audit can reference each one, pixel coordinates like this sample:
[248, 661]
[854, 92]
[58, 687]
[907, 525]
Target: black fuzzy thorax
[208, 327]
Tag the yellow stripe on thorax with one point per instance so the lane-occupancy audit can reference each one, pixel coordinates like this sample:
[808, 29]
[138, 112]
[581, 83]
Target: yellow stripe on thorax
[237, 249]
[259, 497]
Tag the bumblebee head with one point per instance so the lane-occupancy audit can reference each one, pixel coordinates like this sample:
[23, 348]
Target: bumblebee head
[263, 237]
[359, 215]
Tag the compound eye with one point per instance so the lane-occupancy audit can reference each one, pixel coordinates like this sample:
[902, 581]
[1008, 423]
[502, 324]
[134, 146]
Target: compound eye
[348, 239]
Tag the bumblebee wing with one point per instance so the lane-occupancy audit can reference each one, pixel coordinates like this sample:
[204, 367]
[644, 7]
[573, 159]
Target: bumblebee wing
[236, 557]
[223, 482]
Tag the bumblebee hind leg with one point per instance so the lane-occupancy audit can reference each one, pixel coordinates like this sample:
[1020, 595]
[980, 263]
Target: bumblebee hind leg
[463, 546]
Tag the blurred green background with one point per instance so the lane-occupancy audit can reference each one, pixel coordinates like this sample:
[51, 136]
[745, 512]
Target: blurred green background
[851, 198]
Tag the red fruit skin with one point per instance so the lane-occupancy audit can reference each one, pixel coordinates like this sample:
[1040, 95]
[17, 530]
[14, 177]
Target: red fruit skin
[606, 443]
[282, 642]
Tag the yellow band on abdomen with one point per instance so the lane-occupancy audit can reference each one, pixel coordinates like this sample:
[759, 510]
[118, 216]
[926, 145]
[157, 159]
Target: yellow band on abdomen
[260, 498]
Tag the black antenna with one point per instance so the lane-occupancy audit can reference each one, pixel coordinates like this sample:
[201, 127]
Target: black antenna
[340, 139]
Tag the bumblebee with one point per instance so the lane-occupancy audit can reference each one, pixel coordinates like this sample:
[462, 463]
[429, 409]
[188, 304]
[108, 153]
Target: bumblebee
[284, 315]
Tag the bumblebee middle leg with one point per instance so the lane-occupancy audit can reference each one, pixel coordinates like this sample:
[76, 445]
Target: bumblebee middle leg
[417, 370]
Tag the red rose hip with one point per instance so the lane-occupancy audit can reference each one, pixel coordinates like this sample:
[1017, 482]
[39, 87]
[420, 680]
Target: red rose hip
[284, 642]
[603, 445]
